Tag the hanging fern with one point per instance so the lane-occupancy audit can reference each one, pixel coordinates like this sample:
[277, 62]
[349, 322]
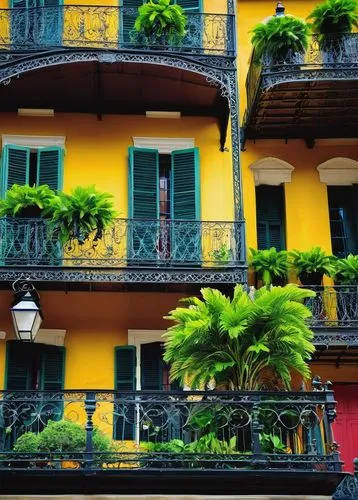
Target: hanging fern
[334, 17]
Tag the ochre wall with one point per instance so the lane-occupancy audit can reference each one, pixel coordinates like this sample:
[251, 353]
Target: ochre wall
[96, 322]
[97, 152]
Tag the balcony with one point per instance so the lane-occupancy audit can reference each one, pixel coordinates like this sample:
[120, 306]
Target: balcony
[130, 251]
[108, 27]
[170, 442]
[308, 96]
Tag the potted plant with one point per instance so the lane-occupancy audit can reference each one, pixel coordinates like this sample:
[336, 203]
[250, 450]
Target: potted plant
[346, 271]
[346, 277]
[222, 255]
[280, 39]
[28, 201]
[81, 213]
[270, 265]
[311, 265]
[160, 22]
[332, 20]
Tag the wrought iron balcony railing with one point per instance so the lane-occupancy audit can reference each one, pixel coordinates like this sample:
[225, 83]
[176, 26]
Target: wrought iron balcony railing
[128, 242]
[174, 430]
[334, 306]
[109, 27]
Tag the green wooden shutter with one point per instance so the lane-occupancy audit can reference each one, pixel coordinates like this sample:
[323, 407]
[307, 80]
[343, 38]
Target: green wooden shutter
[50, 167]
[270, 215]
[52, 367]
[18, 365]
[125, 380]
[15, 167]
[190, 5]
[185, 205]
[151, 365]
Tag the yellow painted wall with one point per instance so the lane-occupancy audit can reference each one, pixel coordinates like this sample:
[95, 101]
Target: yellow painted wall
[97, 153]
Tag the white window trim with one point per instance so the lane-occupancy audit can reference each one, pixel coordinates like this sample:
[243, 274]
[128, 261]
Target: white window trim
[34, 141]
[51, 337]
[271, 171]
[338, 171]
[165, 145]
[138, 338]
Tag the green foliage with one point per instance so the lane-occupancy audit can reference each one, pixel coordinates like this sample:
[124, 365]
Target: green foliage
[160, 20]
[18, 198]
[269, 264]
[209, 443]
[346, 270]
[334, 17]
[27, 443]
[222, 255]
[173, 446]
[85, 210]
[270, 443]
[237, 341]
[279, 37]
[314, 260]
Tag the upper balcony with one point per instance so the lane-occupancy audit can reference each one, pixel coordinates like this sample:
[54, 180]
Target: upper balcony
[130, 251]
[307, 96]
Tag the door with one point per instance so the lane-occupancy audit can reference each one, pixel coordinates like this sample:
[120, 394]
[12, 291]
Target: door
[345, 427]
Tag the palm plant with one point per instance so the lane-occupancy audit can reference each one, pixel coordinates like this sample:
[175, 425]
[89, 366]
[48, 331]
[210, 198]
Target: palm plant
[311, 265]
[237, 341]
[161, 21]
[346, 270]
[25, 200]
[82, 212]
[270, 265]
[280, 37]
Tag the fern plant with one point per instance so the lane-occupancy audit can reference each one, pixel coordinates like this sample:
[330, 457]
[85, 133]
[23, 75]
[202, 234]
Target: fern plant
[311, 265]
[161, 21]
[269, 264]
[334, 17]
[82, 212]
[25, 200]
[236, 342]
[346, 271]
[280, 37]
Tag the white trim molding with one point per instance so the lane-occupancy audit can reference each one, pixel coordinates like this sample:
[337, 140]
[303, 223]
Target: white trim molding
[165, 145]
[139, 337]
[338, 171]
[50, 337]
[34, 141]
[271, 171]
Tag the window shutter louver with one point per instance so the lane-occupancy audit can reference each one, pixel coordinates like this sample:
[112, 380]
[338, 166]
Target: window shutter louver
[129, 15]
[52, 373]
[19, 3]
[18, 365]
[125, 380]
[16, 166]
[50, 167]
[270, 217]
[190, 5]
[151, 362]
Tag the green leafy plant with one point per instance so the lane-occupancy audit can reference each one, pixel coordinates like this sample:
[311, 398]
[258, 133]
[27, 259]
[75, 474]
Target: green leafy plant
[334, 17]
[269, 264]
[237, 341]
[222, 255]
[27, 443]
[28, 200]
[82, 212]
[312, 264]
[271, 443]
[161, 21]
[279, 37]
[346, 271]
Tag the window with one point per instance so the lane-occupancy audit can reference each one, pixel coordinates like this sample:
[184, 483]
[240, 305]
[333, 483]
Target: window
[270, 213]
[25, 165]
[343, 217]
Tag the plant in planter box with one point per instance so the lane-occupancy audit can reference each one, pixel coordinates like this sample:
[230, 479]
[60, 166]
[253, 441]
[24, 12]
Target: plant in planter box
[28, 201]
[280, 39]
[82, 212]
[311, 265]
[332, 20]
[346, 271]
[270, 265]
[161, 22]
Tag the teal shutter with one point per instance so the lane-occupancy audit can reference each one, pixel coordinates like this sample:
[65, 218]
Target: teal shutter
[129, 13]
[50, 167]
[190, 5]
[19, 3]
[125, 380]
[15, 167]
[18, 365]
[143, 201]
[270, 215]
[185, 206]
[151, 365]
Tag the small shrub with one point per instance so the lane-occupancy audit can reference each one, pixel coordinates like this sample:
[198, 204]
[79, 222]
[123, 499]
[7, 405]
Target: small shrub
[27, 443]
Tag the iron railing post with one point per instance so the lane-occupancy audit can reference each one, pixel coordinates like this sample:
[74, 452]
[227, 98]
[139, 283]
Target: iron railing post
[330, 416]
[90, 407]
